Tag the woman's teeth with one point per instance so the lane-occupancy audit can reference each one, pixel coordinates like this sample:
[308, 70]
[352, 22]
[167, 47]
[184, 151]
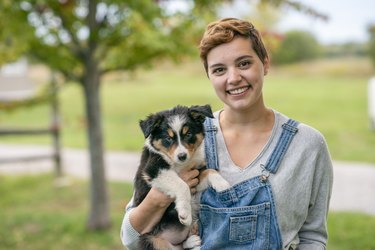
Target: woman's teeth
[238, 91]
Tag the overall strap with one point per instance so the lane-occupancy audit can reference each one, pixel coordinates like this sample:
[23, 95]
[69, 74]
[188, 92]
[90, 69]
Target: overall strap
[210, 144]
[289, 130]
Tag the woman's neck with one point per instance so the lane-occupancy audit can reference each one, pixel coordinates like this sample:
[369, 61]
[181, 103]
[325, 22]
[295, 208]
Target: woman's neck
[258, 119]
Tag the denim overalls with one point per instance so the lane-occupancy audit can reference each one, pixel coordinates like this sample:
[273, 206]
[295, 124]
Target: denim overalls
[243, 216]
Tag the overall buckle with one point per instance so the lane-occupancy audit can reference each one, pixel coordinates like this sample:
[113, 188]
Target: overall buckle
[265, 173]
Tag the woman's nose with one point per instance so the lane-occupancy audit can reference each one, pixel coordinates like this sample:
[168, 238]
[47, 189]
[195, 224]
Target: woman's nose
[234, 76]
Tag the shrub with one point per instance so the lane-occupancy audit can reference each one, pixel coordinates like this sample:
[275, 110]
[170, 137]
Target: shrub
[296, 46]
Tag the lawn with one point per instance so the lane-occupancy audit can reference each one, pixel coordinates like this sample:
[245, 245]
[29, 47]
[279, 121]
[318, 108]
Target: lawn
[34, 218]
[330, 95]
[36, 214]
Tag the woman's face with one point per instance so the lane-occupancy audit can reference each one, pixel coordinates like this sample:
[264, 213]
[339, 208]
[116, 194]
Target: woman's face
[237, 73]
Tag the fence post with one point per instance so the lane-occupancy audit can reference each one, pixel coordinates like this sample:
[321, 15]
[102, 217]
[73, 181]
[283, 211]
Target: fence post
[55, 125]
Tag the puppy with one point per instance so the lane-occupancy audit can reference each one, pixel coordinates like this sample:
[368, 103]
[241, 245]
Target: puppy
[174, 141]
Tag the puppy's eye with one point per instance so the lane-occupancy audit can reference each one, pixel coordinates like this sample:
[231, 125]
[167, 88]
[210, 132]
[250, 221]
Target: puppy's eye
[168, 141]
[188, 135]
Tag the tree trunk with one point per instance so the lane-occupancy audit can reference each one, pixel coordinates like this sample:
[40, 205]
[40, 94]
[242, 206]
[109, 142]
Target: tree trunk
[99, 208]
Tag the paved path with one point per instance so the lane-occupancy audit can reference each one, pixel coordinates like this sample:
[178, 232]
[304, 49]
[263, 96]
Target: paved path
[353, 188]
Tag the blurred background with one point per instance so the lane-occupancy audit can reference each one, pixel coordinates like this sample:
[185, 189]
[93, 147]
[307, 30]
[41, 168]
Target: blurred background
[77, 76]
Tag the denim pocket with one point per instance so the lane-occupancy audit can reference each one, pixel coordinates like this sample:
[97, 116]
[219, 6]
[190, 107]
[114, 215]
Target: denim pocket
[243, 228]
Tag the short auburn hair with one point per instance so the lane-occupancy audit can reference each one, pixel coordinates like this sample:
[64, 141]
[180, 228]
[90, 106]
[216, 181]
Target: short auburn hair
[224, 31]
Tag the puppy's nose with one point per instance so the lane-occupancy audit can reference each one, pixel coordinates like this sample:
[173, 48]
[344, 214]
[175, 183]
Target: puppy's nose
[182, 156]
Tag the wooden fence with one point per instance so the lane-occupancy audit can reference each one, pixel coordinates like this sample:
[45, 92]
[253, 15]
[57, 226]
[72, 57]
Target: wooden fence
[51, 99]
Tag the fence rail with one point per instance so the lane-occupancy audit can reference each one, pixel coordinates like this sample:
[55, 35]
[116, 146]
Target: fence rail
[53, 130]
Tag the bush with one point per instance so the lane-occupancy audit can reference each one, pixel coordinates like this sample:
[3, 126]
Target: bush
[371, 48]
[296, 46]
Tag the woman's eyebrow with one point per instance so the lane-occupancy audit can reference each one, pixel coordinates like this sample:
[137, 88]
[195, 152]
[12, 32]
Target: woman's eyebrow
[244, 57]
[236, 60]
[215, 65]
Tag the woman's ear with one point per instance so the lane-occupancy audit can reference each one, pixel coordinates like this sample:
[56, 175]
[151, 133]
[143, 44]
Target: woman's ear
[266, 65]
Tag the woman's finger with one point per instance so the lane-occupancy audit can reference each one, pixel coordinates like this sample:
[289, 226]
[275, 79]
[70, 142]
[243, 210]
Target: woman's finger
[193, 182]
[188, 174]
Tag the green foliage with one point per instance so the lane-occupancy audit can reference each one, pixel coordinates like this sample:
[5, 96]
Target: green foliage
[353, 49]
[115, 35]
[296, 46]
[12, 34]
[371, 43]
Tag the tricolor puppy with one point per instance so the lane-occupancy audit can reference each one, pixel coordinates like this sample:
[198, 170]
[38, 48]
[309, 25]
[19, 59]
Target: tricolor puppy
[174, 141]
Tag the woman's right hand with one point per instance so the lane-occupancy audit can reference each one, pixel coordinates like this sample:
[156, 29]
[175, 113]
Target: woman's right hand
[190, 176]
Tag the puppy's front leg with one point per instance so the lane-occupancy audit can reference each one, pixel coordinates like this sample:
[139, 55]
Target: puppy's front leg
[172, 185]
[210, 177]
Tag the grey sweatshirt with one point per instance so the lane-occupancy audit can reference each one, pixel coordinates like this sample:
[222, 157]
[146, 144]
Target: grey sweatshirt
[301, 187]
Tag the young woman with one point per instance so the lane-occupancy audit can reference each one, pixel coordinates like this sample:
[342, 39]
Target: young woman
[279, 169]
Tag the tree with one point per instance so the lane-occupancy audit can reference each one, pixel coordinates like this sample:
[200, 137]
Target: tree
[84, 39]
[296, 46]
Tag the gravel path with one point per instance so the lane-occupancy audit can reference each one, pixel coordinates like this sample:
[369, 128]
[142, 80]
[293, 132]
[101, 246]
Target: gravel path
[353, 188]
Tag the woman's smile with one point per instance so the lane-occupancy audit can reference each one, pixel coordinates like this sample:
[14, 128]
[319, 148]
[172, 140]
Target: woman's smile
[239, 91]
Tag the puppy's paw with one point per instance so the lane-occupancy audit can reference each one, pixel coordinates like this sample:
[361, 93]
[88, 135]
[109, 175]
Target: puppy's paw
[217, 182]
[192, 242]
[185, 219]
[184, 215]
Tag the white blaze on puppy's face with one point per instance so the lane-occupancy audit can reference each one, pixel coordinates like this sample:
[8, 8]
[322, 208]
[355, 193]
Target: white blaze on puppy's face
[180, 153]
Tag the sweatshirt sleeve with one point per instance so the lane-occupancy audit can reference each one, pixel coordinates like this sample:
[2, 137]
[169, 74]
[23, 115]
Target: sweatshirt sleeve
[129, 236]
[313, 234]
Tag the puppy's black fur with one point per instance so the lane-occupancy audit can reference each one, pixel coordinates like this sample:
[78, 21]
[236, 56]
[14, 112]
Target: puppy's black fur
[174, 140]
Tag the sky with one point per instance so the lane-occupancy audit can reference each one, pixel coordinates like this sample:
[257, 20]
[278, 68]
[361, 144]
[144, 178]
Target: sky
[348, 19]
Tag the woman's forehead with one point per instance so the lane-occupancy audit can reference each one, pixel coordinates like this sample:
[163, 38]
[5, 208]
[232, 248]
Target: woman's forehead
[237, 48]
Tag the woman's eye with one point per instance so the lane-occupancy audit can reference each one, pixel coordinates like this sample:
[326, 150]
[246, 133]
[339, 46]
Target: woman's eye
[244, 64]
[217, 71]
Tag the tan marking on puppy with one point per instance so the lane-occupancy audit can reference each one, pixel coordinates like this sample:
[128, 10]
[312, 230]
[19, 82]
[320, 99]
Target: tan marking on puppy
[146, 178]
[166, 151]
[170, 132]
[185, 129]
[161, 244]
[192, 147]
[171, 150]
[157, 144]
[200, 138]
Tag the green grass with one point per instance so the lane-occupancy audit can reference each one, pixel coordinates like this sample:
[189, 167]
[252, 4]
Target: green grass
[38, 215]
[350, 231]
[329, 95]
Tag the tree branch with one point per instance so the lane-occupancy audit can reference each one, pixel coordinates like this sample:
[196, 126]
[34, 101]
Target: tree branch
[77, 47]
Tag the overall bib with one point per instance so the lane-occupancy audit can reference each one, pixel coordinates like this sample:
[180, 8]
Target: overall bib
[243, 216]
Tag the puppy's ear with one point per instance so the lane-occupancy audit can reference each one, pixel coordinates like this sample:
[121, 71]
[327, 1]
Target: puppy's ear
[150, 124]
[201, 112]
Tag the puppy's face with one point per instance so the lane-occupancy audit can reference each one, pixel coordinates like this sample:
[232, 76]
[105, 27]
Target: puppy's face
[176, 134]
